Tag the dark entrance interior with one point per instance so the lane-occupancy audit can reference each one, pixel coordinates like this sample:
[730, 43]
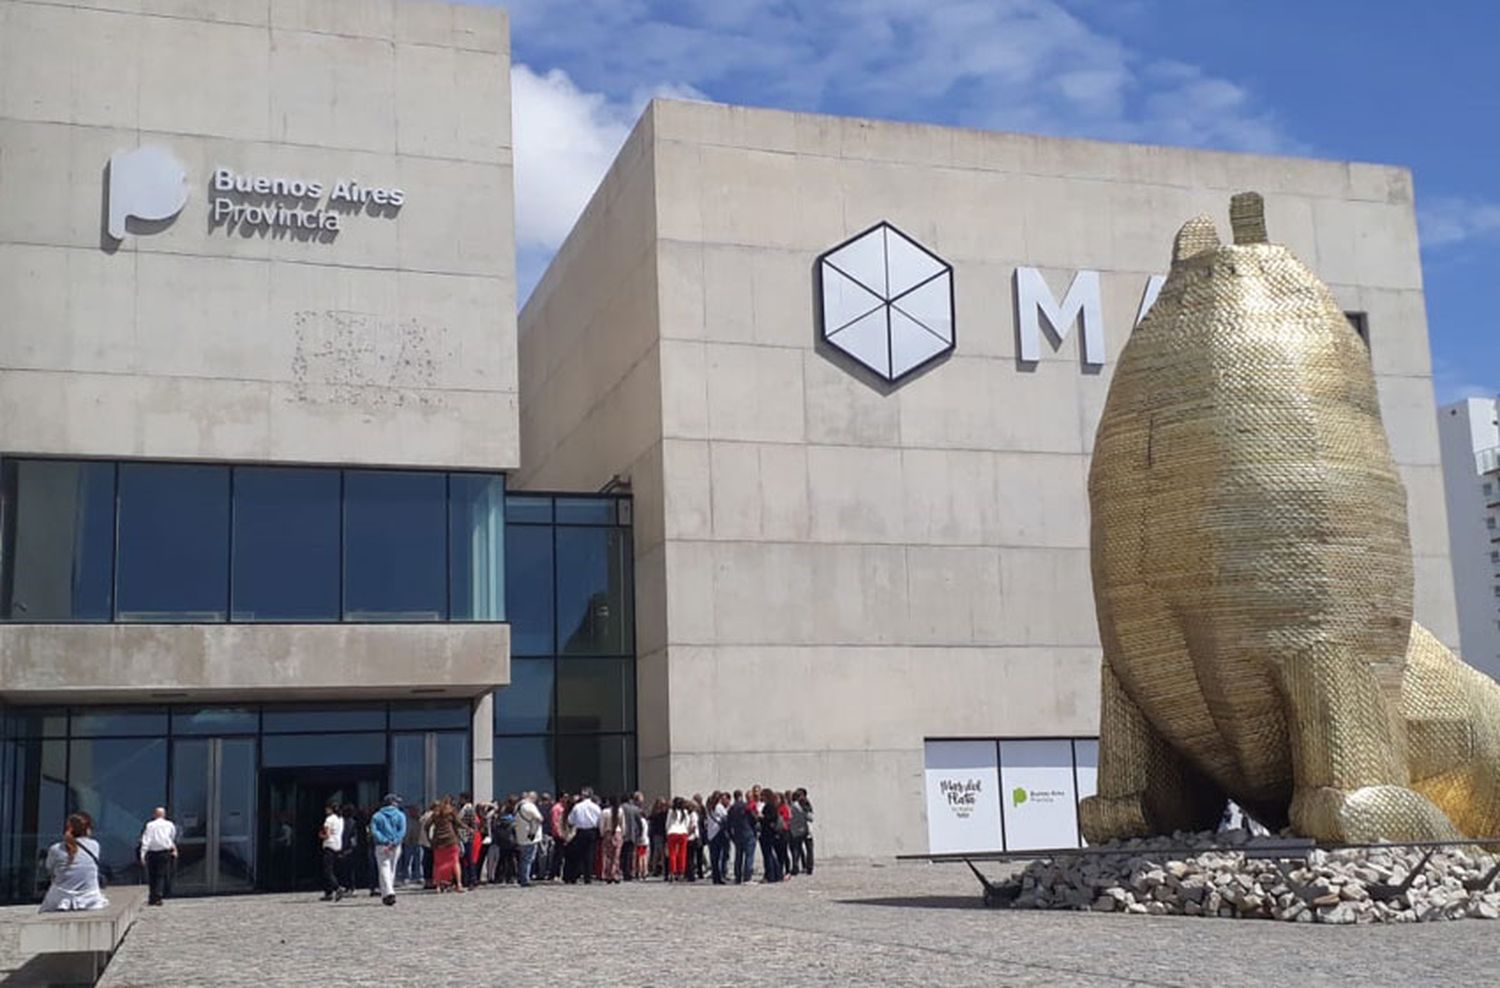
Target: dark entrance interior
[294, 799]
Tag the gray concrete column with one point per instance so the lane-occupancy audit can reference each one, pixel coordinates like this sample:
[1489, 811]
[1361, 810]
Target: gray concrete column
[483, 732]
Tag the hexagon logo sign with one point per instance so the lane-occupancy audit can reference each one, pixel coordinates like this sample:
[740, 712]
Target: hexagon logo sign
[886, 301]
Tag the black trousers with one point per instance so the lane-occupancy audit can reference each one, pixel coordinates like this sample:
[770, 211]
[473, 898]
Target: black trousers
[330, 871]
[582, 847]
[158, 871]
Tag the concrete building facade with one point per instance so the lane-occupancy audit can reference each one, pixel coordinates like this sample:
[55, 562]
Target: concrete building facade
[1470, 434]
[833, 569]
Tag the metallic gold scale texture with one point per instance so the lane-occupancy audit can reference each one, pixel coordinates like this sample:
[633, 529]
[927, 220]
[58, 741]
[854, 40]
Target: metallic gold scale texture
[1253, 576]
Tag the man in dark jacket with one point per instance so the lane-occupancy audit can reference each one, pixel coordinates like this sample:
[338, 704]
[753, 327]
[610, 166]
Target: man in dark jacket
[741, 823]
[634, 833]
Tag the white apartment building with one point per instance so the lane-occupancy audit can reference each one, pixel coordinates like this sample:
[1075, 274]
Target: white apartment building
[1470, 439]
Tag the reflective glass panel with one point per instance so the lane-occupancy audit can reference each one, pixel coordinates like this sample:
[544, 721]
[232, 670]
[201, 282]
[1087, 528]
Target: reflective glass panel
[117, 782]
[60, 541]
[594, 591]
[435, 714]
[585, 511]
[173, 542]
[453, 769]
[529, 589]
[286, 750]
[238, 795]
[606, 763]
[528, 510]
[522, 764]
[525, 706]
[97, 721]
[189, 810]
[286, 544]
[214, 720]
[35, 806]
[395, 546]
[409, 768]
[595, 695]
[279, 719]
[476, 520]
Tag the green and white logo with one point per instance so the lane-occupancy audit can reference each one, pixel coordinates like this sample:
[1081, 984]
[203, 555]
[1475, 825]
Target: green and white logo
[1018, 796]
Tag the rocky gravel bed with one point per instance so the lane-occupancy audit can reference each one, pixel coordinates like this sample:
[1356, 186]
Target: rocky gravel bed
[1169, 876]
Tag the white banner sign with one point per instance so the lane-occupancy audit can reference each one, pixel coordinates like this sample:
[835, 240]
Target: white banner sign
[963, 804]
[1086, 769]
[1038, 794]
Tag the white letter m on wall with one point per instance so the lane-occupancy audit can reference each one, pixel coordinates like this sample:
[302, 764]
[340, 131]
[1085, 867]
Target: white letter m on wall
[1034, 300]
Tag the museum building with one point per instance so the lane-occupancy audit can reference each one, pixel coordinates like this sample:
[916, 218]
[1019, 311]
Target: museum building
[779, 475]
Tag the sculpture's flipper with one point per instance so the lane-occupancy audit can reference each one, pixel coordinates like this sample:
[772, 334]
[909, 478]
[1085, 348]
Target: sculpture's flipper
[1145, 787]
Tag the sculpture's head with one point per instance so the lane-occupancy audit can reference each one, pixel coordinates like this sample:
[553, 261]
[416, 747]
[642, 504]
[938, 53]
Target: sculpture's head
[1253, 305]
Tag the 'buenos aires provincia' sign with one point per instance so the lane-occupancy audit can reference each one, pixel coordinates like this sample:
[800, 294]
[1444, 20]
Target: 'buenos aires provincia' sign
[248, 202]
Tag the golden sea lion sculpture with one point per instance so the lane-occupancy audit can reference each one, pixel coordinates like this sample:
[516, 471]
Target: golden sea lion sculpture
[1253, 576]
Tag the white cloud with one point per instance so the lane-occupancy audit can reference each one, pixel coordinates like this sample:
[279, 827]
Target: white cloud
[1027, 65]
[1450, 220]
[565, 139]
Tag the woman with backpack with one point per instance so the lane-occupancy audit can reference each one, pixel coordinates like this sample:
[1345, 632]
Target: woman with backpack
[502, 838]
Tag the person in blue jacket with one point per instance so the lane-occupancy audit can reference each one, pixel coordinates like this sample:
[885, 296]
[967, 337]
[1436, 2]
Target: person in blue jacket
[387, 830]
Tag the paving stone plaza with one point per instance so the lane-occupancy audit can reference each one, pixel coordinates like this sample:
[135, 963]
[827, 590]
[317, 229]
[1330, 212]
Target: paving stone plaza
[849, 924]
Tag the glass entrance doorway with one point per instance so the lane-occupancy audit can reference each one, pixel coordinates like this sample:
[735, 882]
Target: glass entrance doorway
[213, 787]
[294, 799]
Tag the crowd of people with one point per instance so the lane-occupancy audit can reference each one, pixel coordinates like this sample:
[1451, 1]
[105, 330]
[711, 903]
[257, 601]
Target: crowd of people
[457, 844]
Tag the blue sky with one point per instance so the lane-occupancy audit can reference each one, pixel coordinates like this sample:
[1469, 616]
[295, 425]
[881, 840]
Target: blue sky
[1377, 80]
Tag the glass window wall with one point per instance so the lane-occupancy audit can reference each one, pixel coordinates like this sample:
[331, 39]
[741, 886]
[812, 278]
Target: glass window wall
[185, 543]
[567, 718]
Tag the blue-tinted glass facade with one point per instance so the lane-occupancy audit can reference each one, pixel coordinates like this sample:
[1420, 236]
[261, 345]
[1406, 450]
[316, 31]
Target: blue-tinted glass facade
[567, 718]
[193, 543]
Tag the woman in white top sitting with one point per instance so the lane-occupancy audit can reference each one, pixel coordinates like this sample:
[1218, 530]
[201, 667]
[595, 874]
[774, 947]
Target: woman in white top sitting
[73, 866]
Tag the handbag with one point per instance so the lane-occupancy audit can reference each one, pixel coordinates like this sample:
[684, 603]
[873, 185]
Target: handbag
[98, 866]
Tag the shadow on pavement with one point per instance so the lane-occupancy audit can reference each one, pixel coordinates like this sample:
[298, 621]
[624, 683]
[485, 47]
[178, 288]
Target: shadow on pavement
[52, 970]
[919, 902]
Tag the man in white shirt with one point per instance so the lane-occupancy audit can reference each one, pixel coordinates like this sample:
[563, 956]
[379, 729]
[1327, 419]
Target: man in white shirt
[585, 819]
[332, 836]
[158, 848]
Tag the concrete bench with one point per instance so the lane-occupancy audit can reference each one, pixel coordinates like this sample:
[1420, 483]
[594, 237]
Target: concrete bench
[87, 936]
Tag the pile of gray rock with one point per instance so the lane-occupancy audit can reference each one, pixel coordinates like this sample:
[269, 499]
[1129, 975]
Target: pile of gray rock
[1183, 875]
